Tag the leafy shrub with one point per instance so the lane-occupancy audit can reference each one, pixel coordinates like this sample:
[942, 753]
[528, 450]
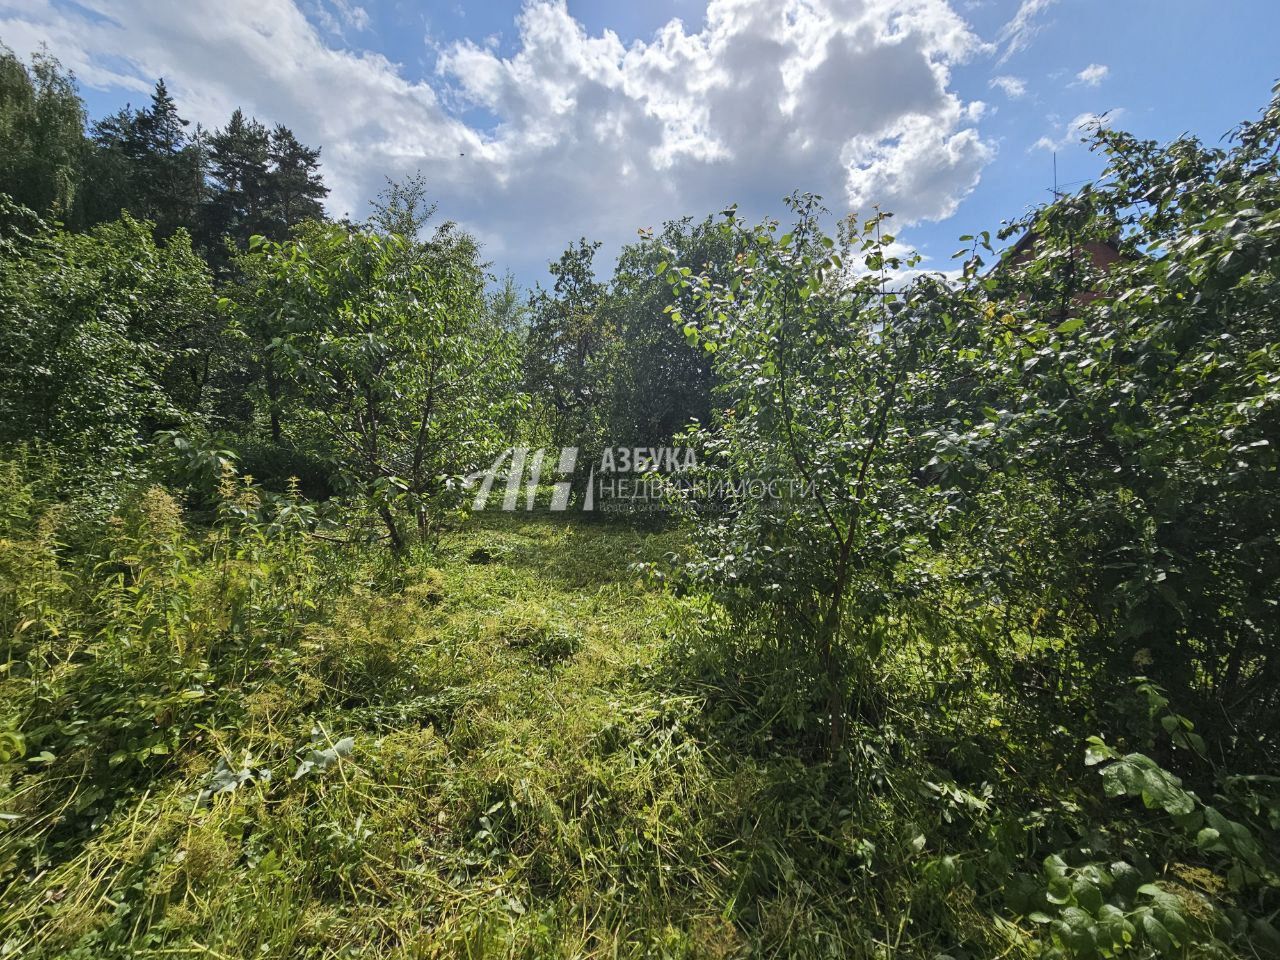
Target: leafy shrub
[1138, 401]
[101, 340]
[386, 343]
[823, 380]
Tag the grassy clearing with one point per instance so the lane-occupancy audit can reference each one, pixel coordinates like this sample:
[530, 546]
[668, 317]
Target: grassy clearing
[539, 766]
[510, 746]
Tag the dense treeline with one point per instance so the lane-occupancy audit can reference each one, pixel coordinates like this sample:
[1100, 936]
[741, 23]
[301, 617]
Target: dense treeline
[166, 280]
[227, 184]
[1035, 540]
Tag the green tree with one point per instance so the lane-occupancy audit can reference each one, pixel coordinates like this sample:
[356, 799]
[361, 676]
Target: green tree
[264, 183]
[403, 208]
[42, 141]
[104, 339]
[569, 348]
[508, 306]
[146, 163]
[1137, 403]
[296, 186]
[387, 344]
[661, 381]
[239, 168]
[821, 376]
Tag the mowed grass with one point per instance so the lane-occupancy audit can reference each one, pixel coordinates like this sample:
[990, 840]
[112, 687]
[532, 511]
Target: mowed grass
[549, 756]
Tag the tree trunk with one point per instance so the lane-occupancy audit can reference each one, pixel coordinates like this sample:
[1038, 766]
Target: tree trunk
[393, 529]
[828, 635]
[830, 630]
[273, 396]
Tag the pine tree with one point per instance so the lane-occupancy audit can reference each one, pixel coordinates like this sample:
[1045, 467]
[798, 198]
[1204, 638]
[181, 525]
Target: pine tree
[296, 184]
[149, 166]
[239, 166]
[159, 131]
[263, 183]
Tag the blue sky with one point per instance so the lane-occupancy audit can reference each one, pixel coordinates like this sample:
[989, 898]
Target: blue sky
[537, 122]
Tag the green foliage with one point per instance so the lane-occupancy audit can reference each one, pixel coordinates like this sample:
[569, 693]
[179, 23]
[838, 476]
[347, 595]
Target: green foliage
[841, 717]
[1136, 396]
[537, 634]
[542, 757]
[661, 382]
[104, 338]
[569, 354]
[1128, 907]
[131, 645]
[145, 163]
[266, 183]
[394, 362]
[222, 186]
[822, 379]
[42, 142]
[602, 361]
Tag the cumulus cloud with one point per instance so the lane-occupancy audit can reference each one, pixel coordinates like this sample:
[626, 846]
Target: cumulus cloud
[1012, 87]
[1092, 75]
[916, 168]
[584, 134]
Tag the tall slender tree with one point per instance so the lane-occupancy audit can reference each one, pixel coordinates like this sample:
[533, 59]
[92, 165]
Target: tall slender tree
[566, 362]
[239, 169]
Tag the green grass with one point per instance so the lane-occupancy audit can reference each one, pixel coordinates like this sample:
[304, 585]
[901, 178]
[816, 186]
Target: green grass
[536, 772]
[550, 756]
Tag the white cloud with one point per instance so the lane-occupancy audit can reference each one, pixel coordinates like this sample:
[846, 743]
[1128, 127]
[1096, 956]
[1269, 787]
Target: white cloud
[1018, 33]
[915, 168]
[1092, 75]
[588, 134]
[1012, 87]
[1078, 129]
[337, 16]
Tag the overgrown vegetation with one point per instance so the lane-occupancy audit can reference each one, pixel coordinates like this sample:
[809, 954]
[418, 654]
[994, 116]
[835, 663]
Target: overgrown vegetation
[986, 666]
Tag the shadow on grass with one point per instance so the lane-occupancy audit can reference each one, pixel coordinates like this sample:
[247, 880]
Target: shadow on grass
[571, 550]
